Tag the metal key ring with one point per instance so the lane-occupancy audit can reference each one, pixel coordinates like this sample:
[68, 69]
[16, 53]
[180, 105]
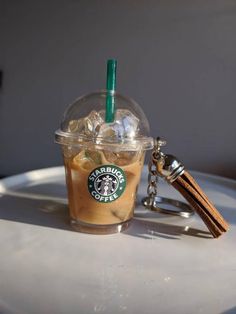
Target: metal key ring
[182, 209]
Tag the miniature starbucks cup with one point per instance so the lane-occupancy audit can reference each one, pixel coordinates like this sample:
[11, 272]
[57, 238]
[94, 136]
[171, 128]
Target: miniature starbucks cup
[103, 161]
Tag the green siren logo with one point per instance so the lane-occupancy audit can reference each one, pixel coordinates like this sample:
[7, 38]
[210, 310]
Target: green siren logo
[106, 183]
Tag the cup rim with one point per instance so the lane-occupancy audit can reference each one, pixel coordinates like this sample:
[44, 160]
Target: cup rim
[139, 142]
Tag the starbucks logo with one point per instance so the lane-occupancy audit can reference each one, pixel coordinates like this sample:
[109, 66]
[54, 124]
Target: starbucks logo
[106, 183]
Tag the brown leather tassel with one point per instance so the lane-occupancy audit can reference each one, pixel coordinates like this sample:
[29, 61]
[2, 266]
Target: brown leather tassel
[191, 191]
[174, 173]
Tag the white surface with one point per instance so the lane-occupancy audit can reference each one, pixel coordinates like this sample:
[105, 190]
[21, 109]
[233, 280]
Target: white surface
[161, 264]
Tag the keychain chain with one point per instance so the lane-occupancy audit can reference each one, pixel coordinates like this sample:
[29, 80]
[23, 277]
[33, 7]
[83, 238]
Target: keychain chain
[152, 170]
[152, 180]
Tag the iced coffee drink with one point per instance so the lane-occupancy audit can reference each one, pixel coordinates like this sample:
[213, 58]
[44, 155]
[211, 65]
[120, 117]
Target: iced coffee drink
[104, 136]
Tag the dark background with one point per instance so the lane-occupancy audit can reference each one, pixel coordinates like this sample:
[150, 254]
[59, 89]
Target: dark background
[176, 58]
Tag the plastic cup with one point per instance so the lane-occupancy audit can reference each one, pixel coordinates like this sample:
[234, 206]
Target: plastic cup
[103, 162]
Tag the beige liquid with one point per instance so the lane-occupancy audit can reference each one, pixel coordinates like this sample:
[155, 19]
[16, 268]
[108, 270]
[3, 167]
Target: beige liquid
[83, 207]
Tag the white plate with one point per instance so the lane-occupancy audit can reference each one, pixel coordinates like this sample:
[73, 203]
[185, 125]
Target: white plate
[161, 264]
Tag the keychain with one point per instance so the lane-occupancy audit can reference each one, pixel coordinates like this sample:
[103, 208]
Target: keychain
[153, 201]
[173, 171]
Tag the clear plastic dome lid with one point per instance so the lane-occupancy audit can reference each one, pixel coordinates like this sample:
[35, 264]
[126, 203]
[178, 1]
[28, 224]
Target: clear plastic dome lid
[84, 123]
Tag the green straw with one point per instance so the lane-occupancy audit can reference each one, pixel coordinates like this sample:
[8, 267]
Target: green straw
[111, 86]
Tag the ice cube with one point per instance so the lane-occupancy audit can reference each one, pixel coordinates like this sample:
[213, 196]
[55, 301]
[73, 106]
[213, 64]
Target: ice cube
[124, 126]
[95, 156]
[102, 114]
[122, 158]
[111, 131]
[76, 126]
[92, 123]
[128, 121]
[88, 159]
